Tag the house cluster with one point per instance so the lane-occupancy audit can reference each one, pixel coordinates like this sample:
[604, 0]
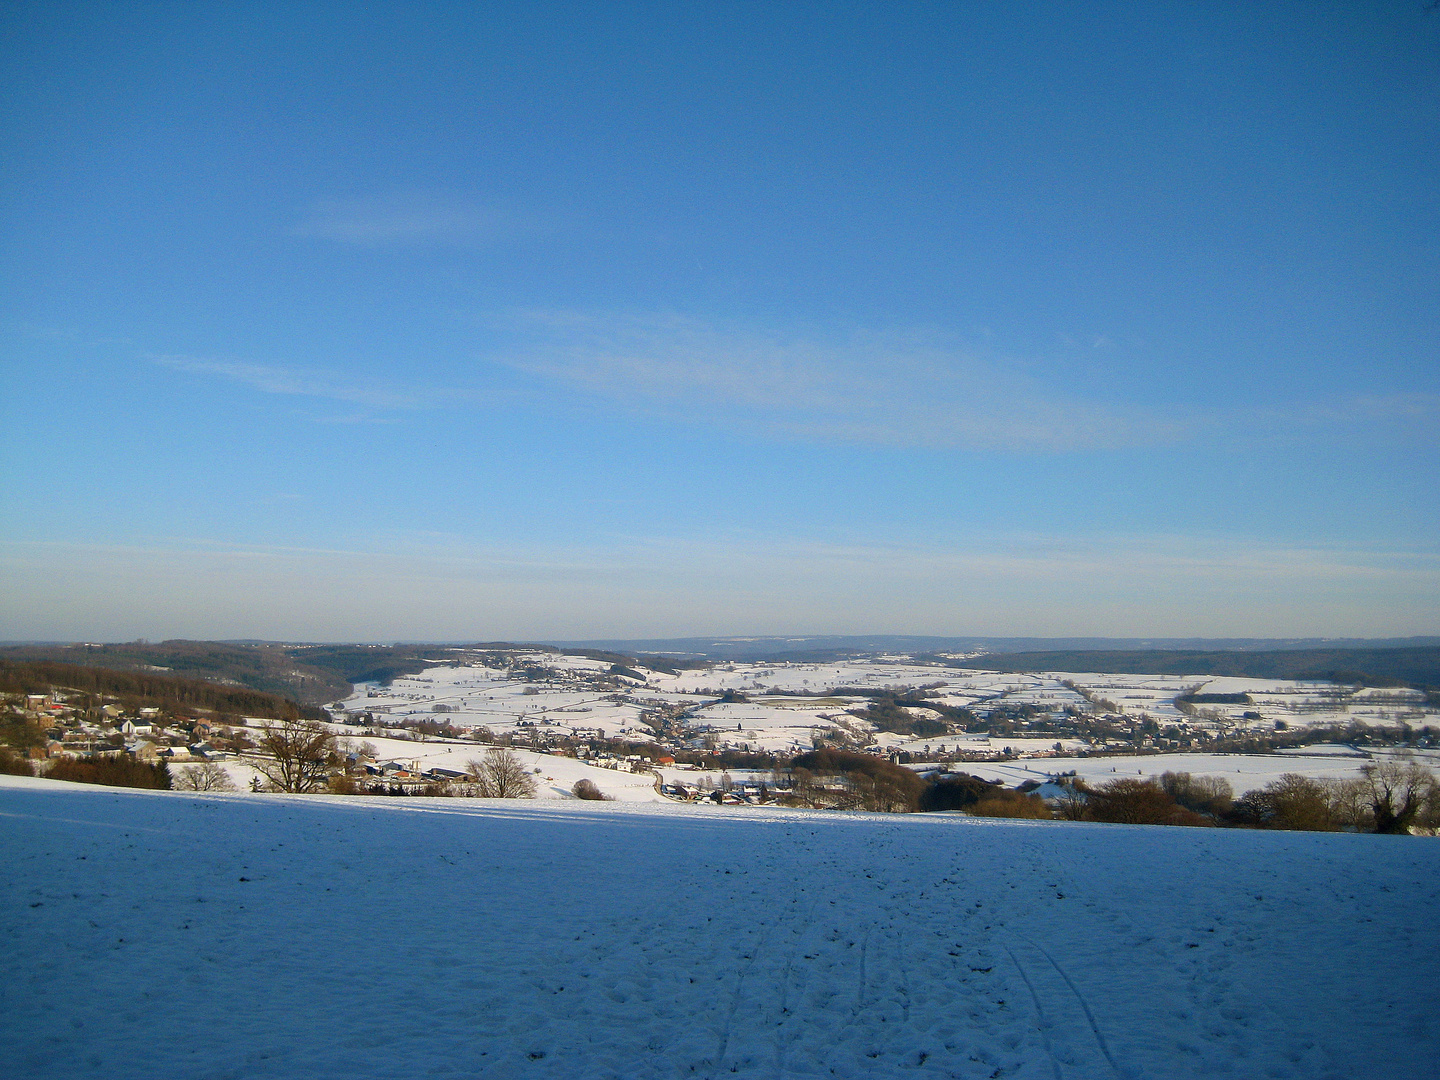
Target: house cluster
[746, 792]
[74, 729]
[408, 775]
[635, 763]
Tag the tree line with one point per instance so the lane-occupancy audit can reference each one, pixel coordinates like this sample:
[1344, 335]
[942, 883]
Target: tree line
[1386, 797]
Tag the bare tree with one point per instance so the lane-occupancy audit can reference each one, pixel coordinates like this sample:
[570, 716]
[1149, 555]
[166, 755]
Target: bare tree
[1291, 802]
[1396, 793]
[300, 755]
[1131, 802]
[586, 789]
[1209, 795]
[1073, 799]
[1349, 805]
[500, 775]
[206, 777]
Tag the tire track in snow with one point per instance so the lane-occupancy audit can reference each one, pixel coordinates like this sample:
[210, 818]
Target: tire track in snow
[1084, 1006]
[755, 951]
[1048, 1020]
[860, 988]
[1057, 878]
[903, 968]
[902, 893]
[1043, 1024]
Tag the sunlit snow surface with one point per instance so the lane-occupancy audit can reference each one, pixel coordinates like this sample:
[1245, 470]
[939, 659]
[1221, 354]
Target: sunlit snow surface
[173, 935]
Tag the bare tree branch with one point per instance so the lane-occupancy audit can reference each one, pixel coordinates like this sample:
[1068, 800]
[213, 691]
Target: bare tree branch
[300, 754]
[500, 775]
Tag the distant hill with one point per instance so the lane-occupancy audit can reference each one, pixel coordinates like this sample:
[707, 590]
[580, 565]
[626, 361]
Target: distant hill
[384, 663]
[270, 669]
[317, 673]
[1418, 667]
[309, 674]
[349, 664]
[145, 688]
[821, 647]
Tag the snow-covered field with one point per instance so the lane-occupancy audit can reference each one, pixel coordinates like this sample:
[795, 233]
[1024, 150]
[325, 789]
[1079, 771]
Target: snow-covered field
[789, 703]
[492, 698]
[161, 934]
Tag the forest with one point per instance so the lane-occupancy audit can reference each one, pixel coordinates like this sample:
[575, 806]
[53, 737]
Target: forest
[143, 689]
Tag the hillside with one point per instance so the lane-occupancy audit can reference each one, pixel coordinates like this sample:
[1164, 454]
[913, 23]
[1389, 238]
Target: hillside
[310, 674]
[1417, 666]
[316, 674]
[162, 934]
[264, 667]
[137, 689]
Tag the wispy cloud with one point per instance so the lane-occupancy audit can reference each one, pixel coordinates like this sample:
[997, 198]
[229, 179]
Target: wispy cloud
[1355, 419]
[312, 383]
[408, 218]
[896, 389]
[383, 395]
[1367, 408]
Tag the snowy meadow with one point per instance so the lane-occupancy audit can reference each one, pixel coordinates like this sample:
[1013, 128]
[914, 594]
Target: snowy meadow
[167, 934]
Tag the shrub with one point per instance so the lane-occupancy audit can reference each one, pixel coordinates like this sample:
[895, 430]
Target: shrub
[12, 764]
[1073, 802]
[1011, 804]
[586, 789]
[956, 792]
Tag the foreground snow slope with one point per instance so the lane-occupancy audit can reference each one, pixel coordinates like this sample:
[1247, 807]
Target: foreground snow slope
[175, 935]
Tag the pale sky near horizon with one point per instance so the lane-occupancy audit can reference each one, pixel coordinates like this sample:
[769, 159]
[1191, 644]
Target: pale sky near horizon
[494, 320]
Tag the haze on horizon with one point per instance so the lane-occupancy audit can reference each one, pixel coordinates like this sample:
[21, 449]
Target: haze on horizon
[441, 321]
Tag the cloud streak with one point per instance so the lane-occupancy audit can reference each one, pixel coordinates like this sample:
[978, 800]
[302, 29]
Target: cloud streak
[328, 385]
[898, 390]
[1374, 408]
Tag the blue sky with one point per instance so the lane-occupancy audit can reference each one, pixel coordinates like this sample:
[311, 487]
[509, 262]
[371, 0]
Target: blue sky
[478, 321]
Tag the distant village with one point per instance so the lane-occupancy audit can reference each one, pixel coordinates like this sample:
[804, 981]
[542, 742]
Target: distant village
[74, 727]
